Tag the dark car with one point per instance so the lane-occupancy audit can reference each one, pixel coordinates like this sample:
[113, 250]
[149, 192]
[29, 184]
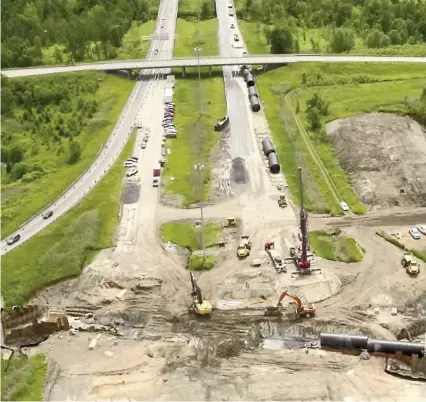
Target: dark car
[13, 239]
[47, 214]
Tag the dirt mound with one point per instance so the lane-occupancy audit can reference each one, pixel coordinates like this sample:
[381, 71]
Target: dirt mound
[385, 156]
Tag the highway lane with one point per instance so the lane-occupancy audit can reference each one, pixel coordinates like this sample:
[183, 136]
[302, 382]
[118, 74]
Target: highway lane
[109, 153]
[209, 61]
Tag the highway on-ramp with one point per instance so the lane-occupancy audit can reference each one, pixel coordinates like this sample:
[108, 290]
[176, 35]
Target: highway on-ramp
[107, 156]
[230, 60]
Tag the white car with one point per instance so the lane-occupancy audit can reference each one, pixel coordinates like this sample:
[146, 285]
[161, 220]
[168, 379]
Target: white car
[344, 206]
[143, 145]
[422, 228]
[415, 234]
[155, 182]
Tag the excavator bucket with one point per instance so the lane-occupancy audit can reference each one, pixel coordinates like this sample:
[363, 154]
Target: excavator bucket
[273, 312]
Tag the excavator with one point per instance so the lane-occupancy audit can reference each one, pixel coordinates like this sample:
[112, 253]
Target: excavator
[199, 306]
[301, 310]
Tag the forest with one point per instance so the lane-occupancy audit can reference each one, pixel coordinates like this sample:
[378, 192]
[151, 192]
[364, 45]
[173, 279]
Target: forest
[83, 30]
[377, 23]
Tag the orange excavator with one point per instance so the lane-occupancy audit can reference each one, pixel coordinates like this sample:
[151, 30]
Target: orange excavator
[301, 310]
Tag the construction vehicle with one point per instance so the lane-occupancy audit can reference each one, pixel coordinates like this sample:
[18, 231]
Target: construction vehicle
[229, 223]
[199, 306]
[297, 308]
[256, 263]
[275, 256]
[410, 264]
[299, 255]
[244, 247]
[282, 202]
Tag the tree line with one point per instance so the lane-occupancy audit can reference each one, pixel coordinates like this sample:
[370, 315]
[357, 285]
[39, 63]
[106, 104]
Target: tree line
[84, 29]
[51, 114]
[378, 23]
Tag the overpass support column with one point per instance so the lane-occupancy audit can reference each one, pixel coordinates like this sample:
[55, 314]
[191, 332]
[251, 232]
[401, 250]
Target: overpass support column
[183, 71]
[129, 74]
[210, 71]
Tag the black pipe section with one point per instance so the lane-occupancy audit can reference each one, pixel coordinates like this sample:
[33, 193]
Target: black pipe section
[267, 146]
[252, 92]
[254, 102]
[274, 163]
[346, 341]
[250, 80]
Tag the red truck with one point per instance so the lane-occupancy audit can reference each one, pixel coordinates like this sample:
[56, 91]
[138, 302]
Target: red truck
[156, 173]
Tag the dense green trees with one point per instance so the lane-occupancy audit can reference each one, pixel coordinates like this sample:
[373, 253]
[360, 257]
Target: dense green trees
[378, 23]
[84, 29]
[46, 117]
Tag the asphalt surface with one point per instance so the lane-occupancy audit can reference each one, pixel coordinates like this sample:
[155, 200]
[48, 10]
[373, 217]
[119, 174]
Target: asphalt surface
[116, 142]
[208, 61]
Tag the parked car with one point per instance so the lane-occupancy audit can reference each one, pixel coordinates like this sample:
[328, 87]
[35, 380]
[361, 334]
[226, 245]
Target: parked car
[422, 228]
[236, 38]
[344, 206]
[244, 53]
[132, 172]
[47, 214]
[415, 234]
[143, 145]
[138, 124]
[13, 239]
[232, 26]
[155, 182]
[155, 52]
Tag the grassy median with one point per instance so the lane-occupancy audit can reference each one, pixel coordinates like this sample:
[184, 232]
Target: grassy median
[67, 245]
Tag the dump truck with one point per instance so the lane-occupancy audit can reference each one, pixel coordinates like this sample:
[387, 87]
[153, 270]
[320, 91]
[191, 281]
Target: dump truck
[282, 202]
[410, 264]
[229, 223]
[244, 247]
[275, 256]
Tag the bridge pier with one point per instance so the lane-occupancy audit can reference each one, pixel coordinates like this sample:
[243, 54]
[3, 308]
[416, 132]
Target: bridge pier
[183, 71]
[210, 71]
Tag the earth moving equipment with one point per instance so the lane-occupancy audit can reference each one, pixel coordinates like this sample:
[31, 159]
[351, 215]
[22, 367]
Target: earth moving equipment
[300, 255]
[229, 223]
[282, 202]
[298, 308]
[256, 263]
[275, 256]
[244, 247]
[199, 306]
[410, 264]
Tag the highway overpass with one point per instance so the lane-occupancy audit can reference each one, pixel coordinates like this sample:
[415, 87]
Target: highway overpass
[211, 61]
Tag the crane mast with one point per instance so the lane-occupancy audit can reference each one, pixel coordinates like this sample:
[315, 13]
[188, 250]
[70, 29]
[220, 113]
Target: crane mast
[302, 260]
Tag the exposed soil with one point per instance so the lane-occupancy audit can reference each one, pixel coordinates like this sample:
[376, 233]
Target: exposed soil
[384, 154]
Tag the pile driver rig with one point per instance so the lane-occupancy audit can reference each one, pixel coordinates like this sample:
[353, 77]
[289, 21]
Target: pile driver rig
[301, 257]
[199, 306]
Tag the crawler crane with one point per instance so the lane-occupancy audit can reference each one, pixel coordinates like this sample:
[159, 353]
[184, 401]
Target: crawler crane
[302, 260]
[300, 309]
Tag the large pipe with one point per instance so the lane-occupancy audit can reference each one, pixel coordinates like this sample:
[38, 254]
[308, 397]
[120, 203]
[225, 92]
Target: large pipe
[351, 342]
[245, 73]
[274, 163]
[254, 102]
[267, 146]
[252, 92]
[250, 80]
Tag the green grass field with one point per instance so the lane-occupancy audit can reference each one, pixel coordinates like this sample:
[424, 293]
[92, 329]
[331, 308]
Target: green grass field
[335, 247]
[198, 263]
[196, 136]
[67, 245]
[21, 200]
[24, 379]
[351, 89]
[188, 236]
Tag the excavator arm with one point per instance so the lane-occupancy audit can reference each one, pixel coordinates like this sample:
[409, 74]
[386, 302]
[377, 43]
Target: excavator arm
[196, 291]
[294, 297]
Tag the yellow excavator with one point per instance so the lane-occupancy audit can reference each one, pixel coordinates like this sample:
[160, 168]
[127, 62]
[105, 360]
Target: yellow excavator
[199, 306]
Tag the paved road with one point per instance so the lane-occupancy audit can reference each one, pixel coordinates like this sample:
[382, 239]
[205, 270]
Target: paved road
[111, 149]
[230, 60]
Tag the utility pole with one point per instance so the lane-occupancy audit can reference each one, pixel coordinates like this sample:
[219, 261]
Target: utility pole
[198, 50]
[198, 168]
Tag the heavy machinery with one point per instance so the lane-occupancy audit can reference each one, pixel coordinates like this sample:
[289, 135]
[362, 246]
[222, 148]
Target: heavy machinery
[297, 307]
[244, 247]
[282, 202]
[275, 256]
[410, 264]
[229, 223]
[299, 255]
[199, 306]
